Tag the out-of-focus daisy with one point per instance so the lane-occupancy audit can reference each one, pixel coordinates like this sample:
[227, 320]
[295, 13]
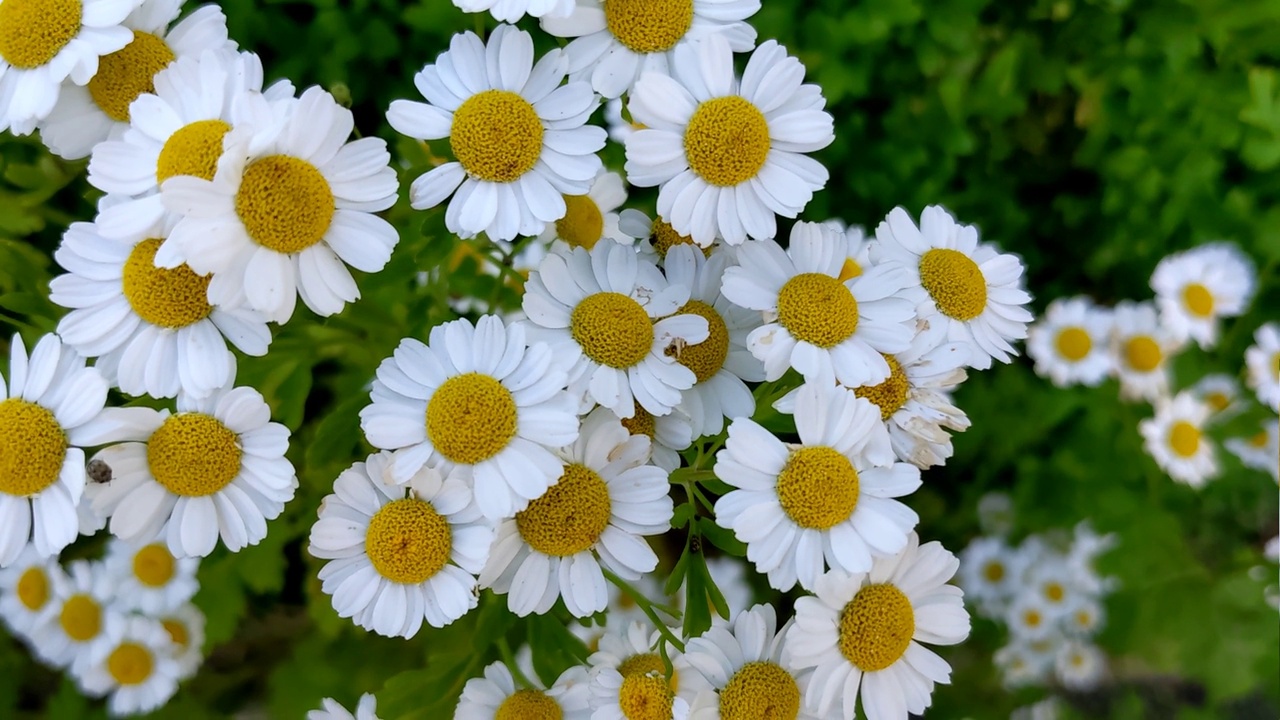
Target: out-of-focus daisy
[149, 578]
[862, 633]
[1069, 342]
[970, 292]
[629, 678]
[1029, 617]
[481, 398]
[1262, 363]
[185, 625]
[612, 316]
[1052, 581]
[1079, 665]
[1085, 618]
[825, 502]
[512, 10]
[1021, 666]
[991, 573]
[828, 326]
[661, 237]
[85, 115]
[216, 468]
[1196, 288]
[288, 209]
[1260, 451]
[81, 615]
[1140, 350]
[668, 434]
[617, 41]
[366, 709]
[26, 589]
[597, 514]
[135, 664]
[1175, 438]
[592, 217]
[401, 552]
[728, 156]
[152, 329]
[496, 695]
[1220, 392]
[518, 136]
[1086, 546]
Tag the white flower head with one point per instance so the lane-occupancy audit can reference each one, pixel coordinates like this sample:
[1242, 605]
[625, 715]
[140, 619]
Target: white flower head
[1140, 350]
[991, 574]
[1262, 365]
[135, 665]
[1260, 450]
[81, 615]
[668, 434]
[1069, 342]
[590, 218]
[26, 588]
[185, 625]
[1175, 437]
[148, 578]
[1030, 617]
[656, 236]
[629, 676]
[496, 694]
[1221, 392]
[1197, 288]
[1080, 665]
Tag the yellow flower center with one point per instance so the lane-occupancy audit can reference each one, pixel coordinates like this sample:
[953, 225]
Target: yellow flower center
[285, 203]
[612, 329]
[646, 697]
[1074, 344]
[818, 487]
[876, 627]
[1259, 440]
[760, 691]
[1142, 353]
[727, 141]
[570, 515]
[192, 149]
[496, 135]
[1275, 366]
[994, 571]
[707, 357]
[642, 664]
[1218, 401]
[648, 26]
[127, 73]
[529, 705]
[663, 237]
[81, 618]
[165, 297]
[1198, 299]
[193, 455]
[154, 565]
[1083, 618]
[641, 422]
[408, 541]
[177, 632]
[1054, 592]
[32, 448]
[1184, 438]
[1032, 618]
[471, 417]
[849, 270]
[954, 282]
[33, 588]
[130, 663]
[891, 394]
[33, 31]
[818, 309]
[582, 224]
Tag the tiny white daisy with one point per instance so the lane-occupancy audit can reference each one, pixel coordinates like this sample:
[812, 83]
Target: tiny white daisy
[592, 217]
[668, 434]
[991, 573]
[1221, 392]
[26, 588]
[1175, 438]
[135, 664]
[657, 236]
[1069, 342]
[629, 679]
[1052, 582]
[519, 137]
[185, 625]
[1260, 451]
[1197, 288]
[149, 578]
[1030, 618]
[1140, 349]
[82, 615]
[1020, 665]
[497, 695]
[1262, 364]
[512, 10]
[1085, 619]
[366, 709]
[1079, 665]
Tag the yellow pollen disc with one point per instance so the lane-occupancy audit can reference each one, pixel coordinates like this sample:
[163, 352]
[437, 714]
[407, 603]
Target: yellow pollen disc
[818, 487]
[582, 224]
[177, 632]
[1275, 366]
[955, 283]
[130, 663]
[1074, 344]
[192, 149]
[994, 571]
[81, 618]
[641, 664]
[127, 73]
[1031, 618]
[1259, 440]
[760, 691]
[1083, 618]
[1142, 353]
[32, 448]
[1184, 438]
[496, 135]
[612, 329]
[33, 588]
[165, 297]
[33, 31]
[891, 394]
[285, 203]
[641, 422]
[570, 515]
[727, 141]
[1217, 401]
[648, 26]
[529, 705]
[471, 417]
[849, 270]
[1077, 660]
[154, 565]
[408, 541]
[646, 697]
[1198, 299]
[1055, 592]
[876, 627]
[707, 357]
[663, 237]
[193, 455]
[818, 309]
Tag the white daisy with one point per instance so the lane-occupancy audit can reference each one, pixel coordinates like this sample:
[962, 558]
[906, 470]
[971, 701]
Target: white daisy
[81, 615]
[1221, 392]
[1260, 451]
[617, 41]
[668, 434]
[152, 329]
[600, 311]
[496, 694]
[824, 502]
[828, 326]
[1175, 438]
[286, 211]
[969, 291]
[991, 573]
[86, 115]
[862, 634]
[519, 137]
[185, 625]
[1196, 288]
[1262, 364]
[26, 589]
[1140, 349]
[660, 236]
[590, 218]
[149, 578]
[597, 514]
[401, 552]
[1021, 666]
[1030, 618]
[1052, 582]
[629, 679]
[1069, 342]
[216, 468]
[366, 709]
[1085, 619]
[1080, 665]
[135, 665]
[512, 10]
[727, 155]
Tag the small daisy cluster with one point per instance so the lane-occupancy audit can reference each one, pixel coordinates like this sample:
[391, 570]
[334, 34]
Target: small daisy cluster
[122, 627]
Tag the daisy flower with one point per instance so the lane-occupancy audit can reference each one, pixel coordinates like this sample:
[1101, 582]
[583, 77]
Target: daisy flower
[366, 709]
[828, 326]
[629, 678]
[85, 115]
[400, 552]
[591, 217]
[215, 468]
[51, 407]
[1260, 450]
[1030, 618]
[134, 664]
[824, 502]
[612, 316]
[1220, 392]
[43, 43]
[1140, 348]
[148, 578]
[82, 614]
[1021, 666]
[287, 210]
[26, 589]
[1052, 581]
[969, 292]
[519, 138]
[185, 625]
[617, 41]
[512, 10]
[496, 695]
[1079, 665]
[1262, 364]
[152, 329]
[1085, 619]
[1175, 438]
[991, 573]
[661, 236]
[1197, 288]
[862, 633]
[727, 156]
[597, 513]
[1069, 342]
[481, 398]
[668, 434]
